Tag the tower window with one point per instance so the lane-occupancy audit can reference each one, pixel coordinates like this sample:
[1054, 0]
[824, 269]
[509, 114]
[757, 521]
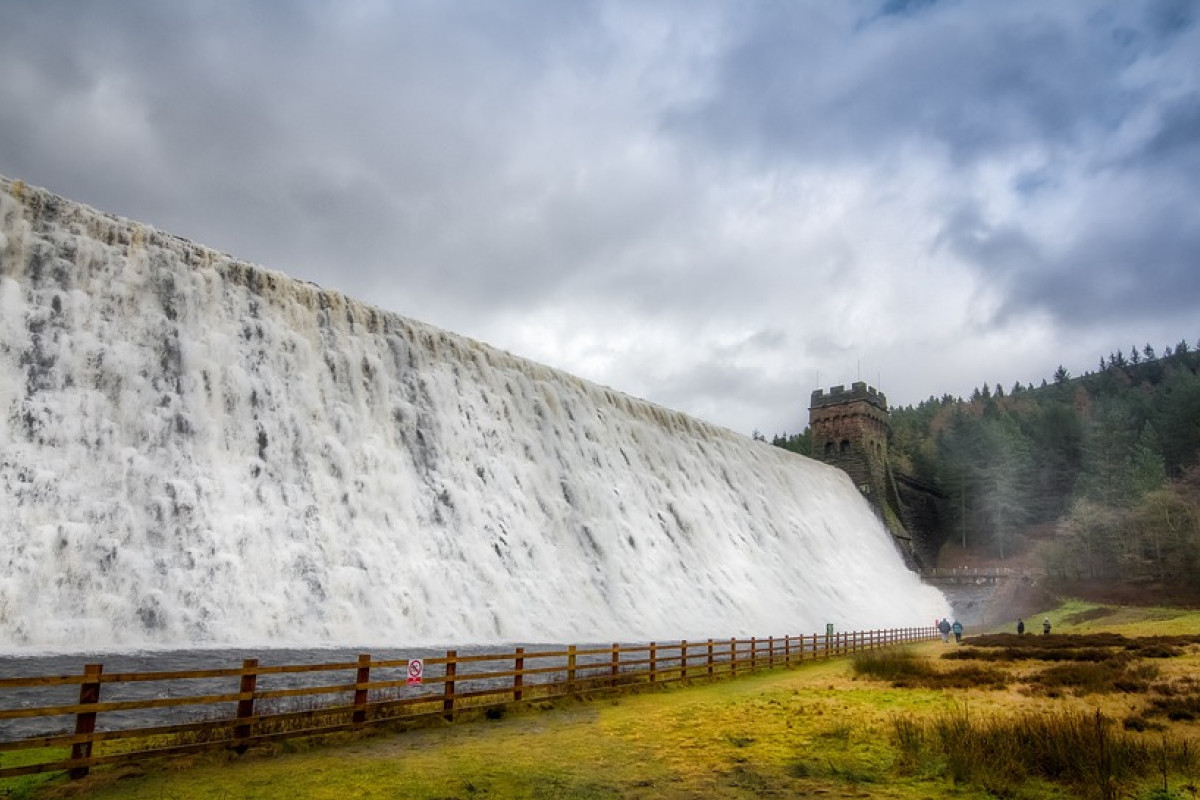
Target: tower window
[845, 446]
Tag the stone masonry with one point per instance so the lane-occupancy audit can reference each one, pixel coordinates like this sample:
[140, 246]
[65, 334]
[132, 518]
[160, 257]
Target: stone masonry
[850, 429]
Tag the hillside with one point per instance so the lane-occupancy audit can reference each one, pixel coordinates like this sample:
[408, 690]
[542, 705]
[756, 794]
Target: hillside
[1093, 478]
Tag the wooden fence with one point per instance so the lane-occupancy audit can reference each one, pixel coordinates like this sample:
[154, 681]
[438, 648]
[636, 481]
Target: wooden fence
[238, 707]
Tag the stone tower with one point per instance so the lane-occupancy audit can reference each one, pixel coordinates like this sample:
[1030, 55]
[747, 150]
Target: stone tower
[850, 430]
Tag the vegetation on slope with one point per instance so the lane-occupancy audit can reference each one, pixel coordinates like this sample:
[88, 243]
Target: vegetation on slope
[1106, 463]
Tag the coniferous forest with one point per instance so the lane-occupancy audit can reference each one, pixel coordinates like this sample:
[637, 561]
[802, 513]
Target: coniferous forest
[1094, 478]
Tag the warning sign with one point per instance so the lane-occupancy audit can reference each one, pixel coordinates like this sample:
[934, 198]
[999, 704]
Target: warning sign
[415, 668]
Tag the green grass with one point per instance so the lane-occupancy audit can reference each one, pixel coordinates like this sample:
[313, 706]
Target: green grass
[835, 728]
[26, 786]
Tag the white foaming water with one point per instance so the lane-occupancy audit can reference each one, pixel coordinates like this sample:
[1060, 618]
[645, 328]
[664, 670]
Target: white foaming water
[196, 451]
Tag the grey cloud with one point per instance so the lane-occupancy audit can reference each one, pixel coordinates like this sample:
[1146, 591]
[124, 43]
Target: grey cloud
[1140, 265]
[811, 81]
[665, 165]
[1178, 136]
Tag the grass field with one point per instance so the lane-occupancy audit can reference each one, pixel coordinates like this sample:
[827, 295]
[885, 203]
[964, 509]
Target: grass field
[836, 729]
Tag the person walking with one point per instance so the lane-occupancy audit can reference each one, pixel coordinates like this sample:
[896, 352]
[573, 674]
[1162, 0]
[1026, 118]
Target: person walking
[1020, 626]
[1046, 627]
[944, 628]
[957, 628]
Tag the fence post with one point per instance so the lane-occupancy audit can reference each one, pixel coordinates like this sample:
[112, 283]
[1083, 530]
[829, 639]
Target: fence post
[245, 706]
[448, 687]
[361, 678]
[616, 661]
[732, 656]
[771, 652]
[710, 658]
[518, 675]
[571, 661]
[653, 661]
[683, 646]
[753, 653]
[85, 721]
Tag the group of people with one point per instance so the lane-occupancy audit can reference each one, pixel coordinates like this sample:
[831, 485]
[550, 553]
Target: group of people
[946, 627]
[1045, 626]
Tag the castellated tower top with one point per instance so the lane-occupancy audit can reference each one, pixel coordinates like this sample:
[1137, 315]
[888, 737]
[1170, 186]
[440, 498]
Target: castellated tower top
[858, 391]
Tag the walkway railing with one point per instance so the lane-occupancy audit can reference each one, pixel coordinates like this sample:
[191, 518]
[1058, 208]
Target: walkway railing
[128, 717]
[981, 572]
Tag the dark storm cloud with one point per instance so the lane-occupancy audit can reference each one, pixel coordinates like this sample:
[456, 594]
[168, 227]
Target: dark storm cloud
[278, 130]
[1065, 86]
[970, 78]
[818, 80]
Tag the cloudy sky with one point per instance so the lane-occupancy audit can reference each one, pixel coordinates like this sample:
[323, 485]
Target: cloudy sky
[718, 206]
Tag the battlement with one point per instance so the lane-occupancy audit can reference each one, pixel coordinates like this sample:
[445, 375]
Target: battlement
[839, 395]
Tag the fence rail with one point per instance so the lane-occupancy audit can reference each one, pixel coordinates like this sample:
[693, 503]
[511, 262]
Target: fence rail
[981, 572]
[236, 709]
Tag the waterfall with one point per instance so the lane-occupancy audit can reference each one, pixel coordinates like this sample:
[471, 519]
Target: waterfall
[197, 451]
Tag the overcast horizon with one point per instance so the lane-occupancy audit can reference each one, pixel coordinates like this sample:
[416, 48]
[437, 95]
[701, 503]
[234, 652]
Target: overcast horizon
[717, 207]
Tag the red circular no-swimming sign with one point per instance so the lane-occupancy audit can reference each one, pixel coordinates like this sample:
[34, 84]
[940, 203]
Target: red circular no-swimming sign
[415, 667]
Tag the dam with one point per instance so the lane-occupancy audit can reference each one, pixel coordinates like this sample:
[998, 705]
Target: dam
[196, 451]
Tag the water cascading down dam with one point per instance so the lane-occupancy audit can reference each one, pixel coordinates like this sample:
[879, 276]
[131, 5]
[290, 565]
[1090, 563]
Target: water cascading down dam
[196, 451]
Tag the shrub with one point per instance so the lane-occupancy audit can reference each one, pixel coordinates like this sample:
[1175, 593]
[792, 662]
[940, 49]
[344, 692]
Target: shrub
[1080, 750]
[890, 665]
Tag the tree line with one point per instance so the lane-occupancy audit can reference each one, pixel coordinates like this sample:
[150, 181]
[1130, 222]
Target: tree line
[1101, 470]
